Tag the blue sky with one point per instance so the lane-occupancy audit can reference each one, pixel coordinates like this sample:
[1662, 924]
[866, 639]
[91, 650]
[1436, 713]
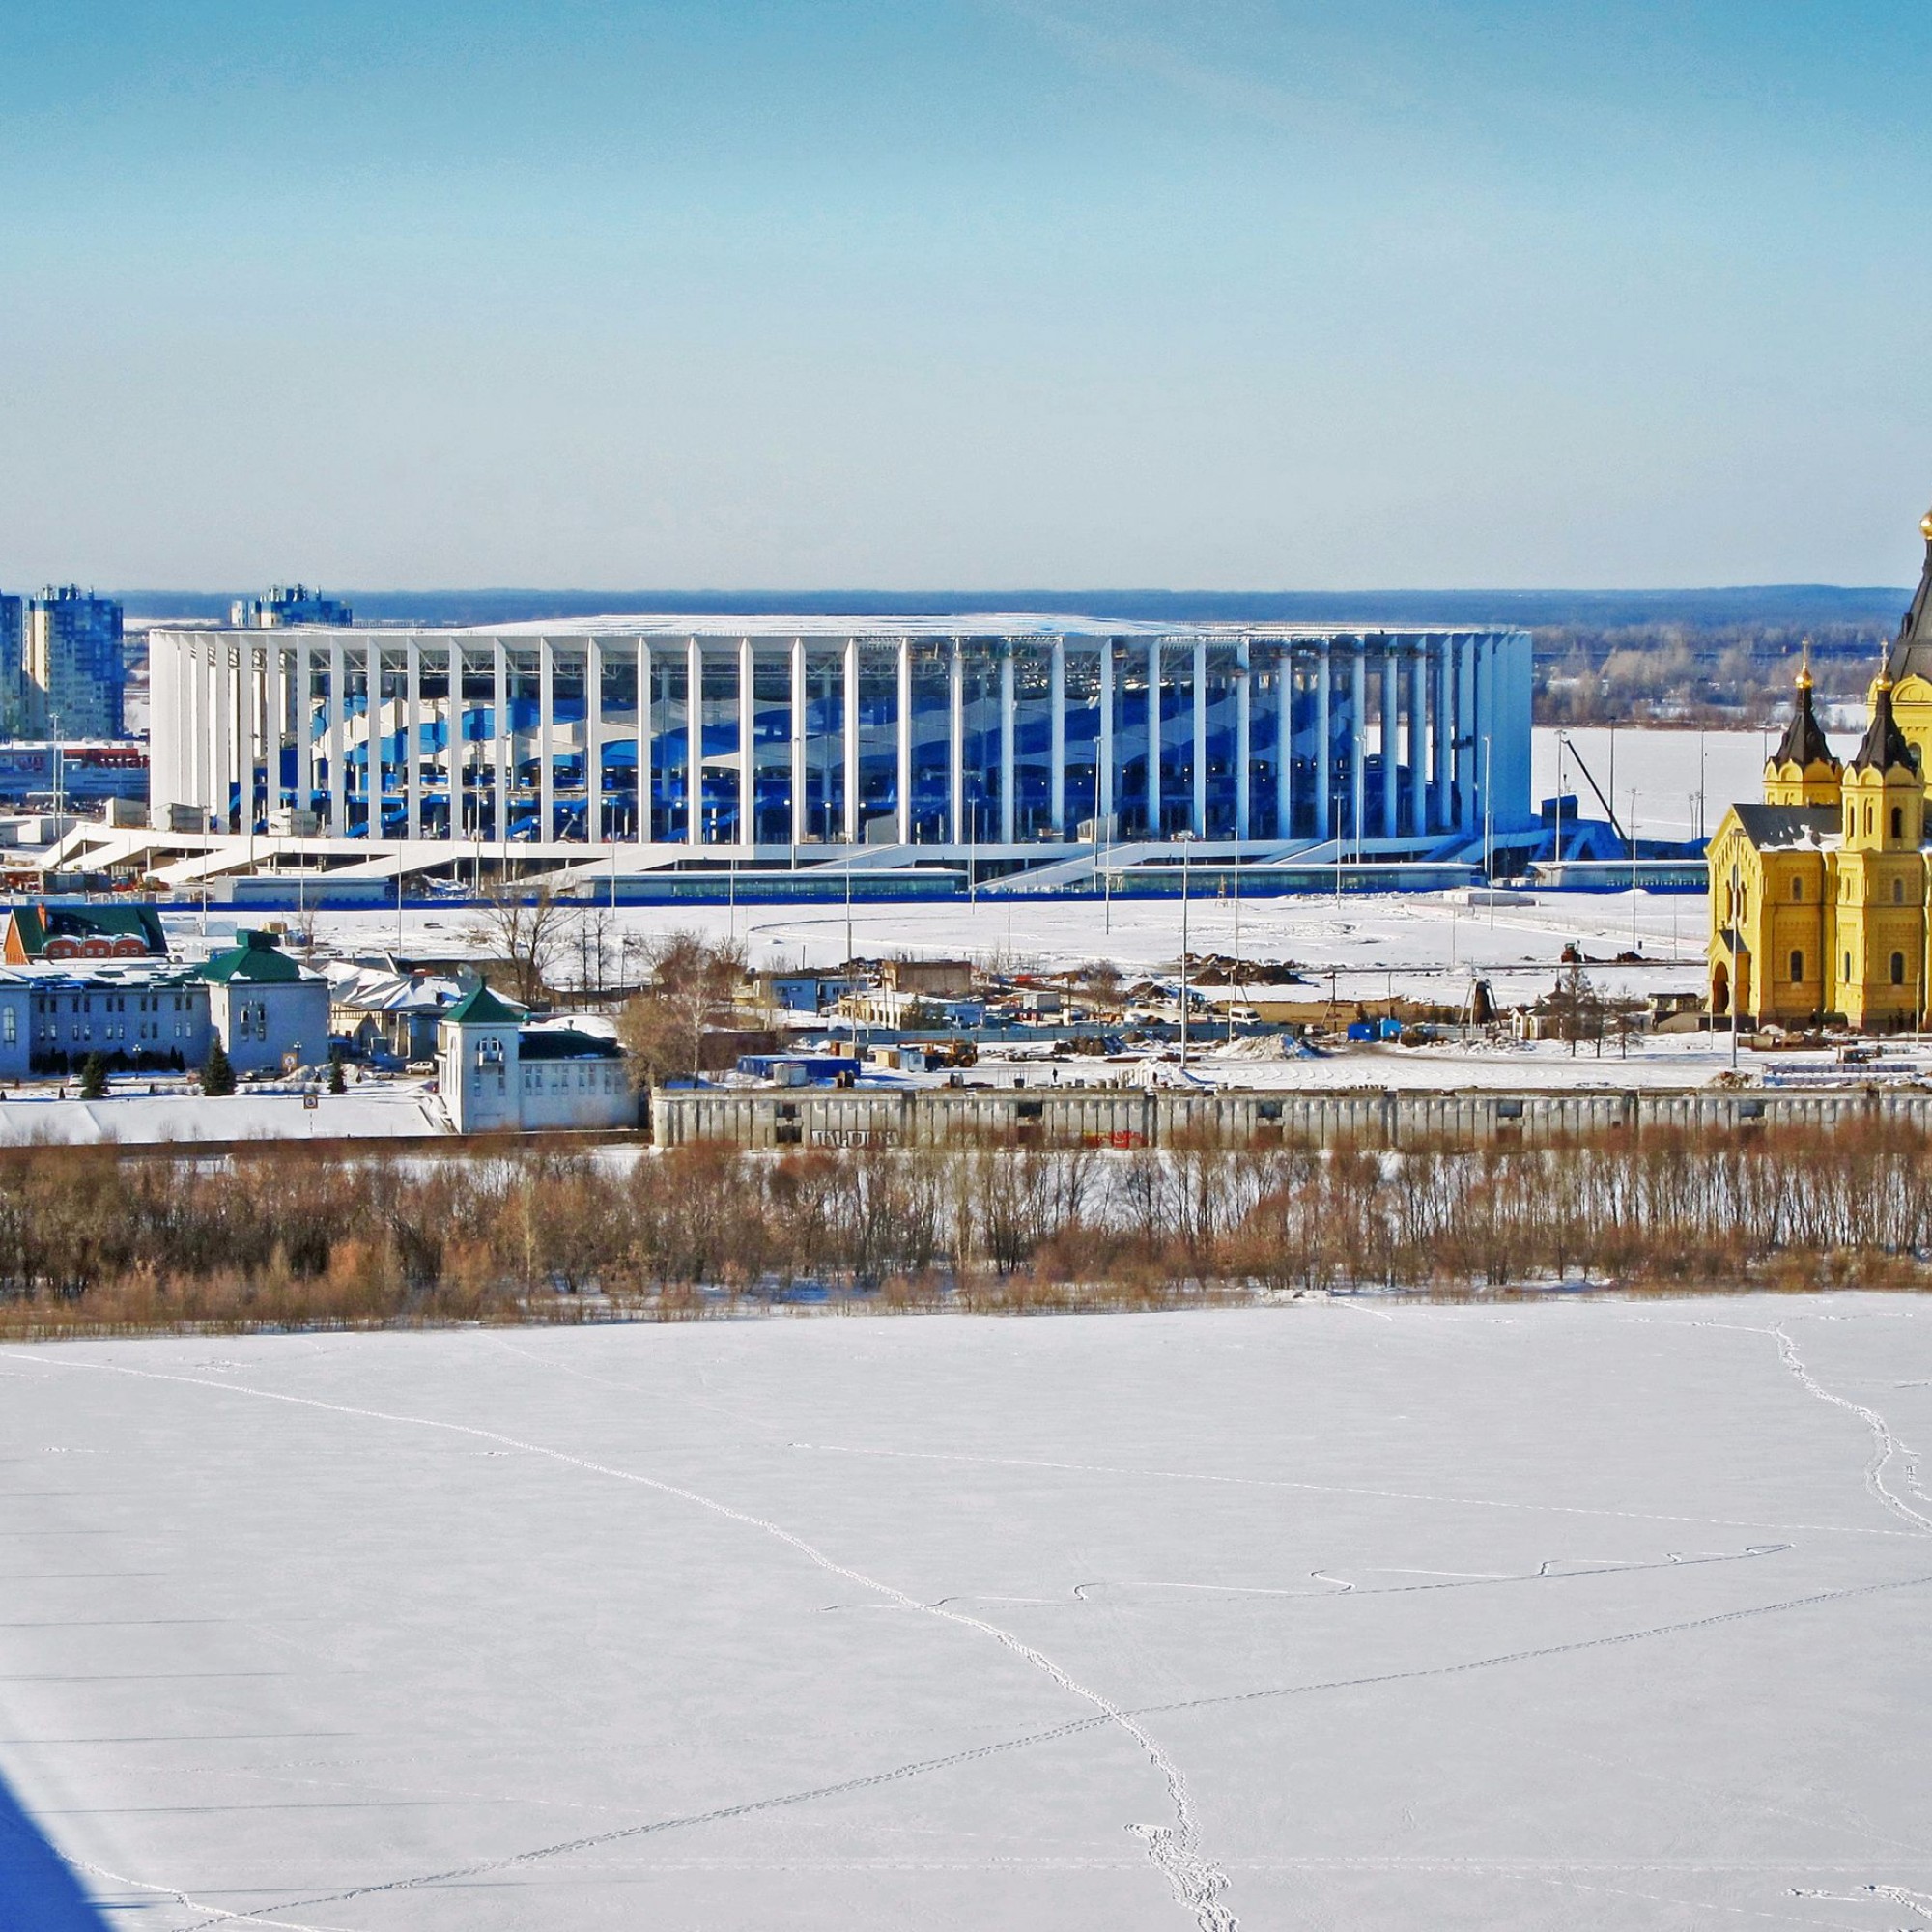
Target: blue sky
[966, 293]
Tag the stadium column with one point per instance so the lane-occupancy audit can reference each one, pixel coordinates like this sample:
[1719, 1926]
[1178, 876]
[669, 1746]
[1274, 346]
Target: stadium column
[850, 741]
[412, 736]
[372, 713]
[799, 715]
[645, 742]
[1468, 712]
[244, 733]
[593, 741]
[338, 704]
[1284, 745]
[1103, 789]
[274, 723]
[903, 775]
[1197, 760]
[693, 742]
[1358, 695]
[504, 748]
[748, 749]
[546, 741]
[1391, 739]
[1439, 734]
[223, 713]
[1244, 737]
[1009, 818]
[456, 747]
[1153, 739]
[956, 745]
[301, 715]
[1057, 738]
[1418, 741]
[1325, 764]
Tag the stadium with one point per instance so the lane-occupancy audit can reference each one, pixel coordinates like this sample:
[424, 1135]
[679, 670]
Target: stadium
[657, 752]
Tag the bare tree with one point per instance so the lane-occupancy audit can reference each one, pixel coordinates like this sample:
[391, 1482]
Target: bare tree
[690, 981]
[528, 926]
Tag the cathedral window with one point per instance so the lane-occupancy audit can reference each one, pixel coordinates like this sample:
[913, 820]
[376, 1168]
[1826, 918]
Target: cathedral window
[1797, 891]
[1868, 819]
[1848, 965]
[1898, 969]
[1898, 821]
[1796, 968]
[1898, 892]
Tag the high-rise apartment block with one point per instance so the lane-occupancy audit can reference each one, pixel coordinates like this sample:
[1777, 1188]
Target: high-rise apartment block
[289, 603]
[13, 642]
[71, 672]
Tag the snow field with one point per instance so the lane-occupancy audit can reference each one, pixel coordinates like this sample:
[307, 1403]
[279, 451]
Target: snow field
[1348, 1613]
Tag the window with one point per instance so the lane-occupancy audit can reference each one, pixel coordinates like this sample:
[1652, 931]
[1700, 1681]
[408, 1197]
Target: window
[1848, 965]
[1797, 891]
[1868, 818]
[1898, 821]
[1898, 888]
[1898, 969]
[1796, 968]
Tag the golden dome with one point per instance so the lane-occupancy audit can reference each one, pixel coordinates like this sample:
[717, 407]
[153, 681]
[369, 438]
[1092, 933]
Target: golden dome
[1926, 526]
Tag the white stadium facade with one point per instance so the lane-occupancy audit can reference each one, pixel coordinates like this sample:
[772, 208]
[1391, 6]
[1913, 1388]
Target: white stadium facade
[657, 752]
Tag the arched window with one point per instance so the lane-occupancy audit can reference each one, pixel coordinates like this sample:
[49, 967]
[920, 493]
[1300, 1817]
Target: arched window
[1797, 969]
[1868, 819]
[1898, 969]
[1851, 818]
[1797, 891]
[1898, 892]
[1898, 821]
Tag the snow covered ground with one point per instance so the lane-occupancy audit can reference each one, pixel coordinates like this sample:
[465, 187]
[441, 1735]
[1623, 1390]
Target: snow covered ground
[135, 1119]
[1335, 1614]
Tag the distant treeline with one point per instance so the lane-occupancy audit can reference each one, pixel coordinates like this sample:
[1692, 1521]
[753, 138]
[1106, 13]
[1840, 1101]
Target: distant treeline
[95, 1242]
[1714, 674]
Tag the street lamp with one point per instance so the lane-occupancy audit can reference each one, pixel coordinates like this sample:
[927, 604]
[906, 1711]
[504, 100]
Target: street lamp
[1186, 840]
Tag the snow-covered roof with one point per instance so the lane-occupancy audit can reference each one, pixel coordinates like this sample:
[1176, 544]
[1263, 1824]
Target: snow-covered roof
[990, 625]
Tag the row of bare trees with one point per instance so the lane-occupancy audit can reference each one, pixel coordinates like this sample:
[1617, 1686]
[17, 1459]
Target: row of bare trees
[92, 1240]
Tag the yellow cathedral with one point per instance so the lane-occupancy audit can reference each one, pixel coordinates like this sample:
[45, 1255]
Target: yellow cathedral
[1819, 895]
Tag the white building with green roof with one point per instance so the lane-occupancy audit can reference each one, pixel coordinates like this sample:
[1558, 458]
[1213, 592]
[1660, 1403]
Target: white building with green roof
[266, 1007]
[498, 1073]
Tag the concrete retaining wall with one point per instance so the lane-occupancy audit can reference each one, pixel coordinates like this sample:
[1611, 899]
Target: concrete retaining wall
[1130, 1116]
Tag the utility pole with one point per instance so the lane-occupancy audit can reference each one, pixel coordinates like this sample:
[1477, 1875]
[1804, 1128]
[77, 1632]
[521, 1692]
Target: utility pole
[1186, 840]
[1633, 845]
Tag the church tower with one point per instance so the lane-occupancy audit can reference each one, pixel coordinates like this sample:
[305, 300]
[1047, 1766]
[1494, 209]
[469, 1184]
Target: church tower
[1881, 908]
[1909, 665]
[1802, 770]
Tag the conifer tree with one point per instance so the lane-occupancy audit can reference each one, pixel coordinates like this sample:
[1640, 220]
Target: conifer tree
[93, 1078]
[217, 1075]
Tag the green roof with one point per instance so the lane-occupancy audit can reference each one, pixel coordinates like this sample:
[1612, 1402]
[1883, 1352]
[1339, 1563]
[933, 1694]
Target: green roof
[49, 920]
[257, 961]
[482, 1008]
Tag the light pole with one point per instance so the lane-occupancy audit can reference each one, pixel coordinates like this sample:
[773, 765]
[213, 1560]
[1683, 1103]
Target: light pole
[1633, 845]
[1489, 833]
[1185, 839]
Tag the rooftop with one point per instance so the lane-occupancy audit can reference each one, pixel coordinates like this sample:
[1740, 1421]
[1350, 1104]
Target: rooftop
[257, 960]
[990, 625]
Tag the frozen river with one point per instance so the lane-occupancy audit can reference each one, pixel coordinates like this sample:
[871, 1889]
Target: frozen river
[1328, 1615]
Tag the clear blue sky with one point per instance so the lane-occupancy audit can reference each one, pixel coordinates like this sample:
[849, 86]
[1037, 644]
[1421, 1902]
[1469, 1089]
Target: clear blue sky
[965, 293]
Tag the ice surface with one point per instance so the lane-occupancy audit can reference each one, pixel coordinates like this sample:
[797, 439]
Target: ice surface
[1342, 1614]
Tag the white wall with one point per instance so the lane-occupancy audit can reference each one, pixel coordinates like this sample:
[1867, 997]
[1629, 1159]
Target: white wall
[258, 1024]
[560, 1094]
